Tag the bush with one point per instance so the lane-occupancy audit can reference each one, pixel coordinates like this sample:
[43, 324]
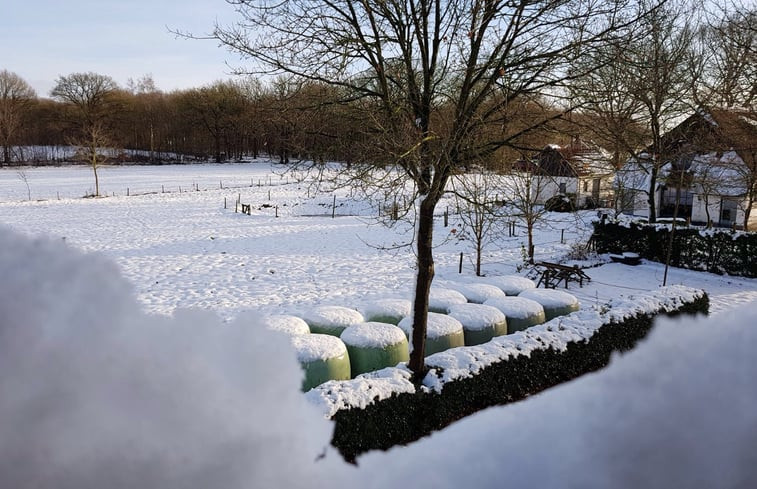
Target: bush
[560, 203]
[406, 417]
[712, 251]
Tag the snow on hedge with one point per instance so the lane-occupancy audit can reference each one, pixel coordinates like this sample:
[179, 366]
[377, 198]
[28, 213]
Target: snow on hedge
[458, 363]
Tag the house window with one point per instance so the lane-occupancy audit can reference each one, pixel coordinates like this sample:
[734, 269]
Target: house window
[586, 185]
[563, 188]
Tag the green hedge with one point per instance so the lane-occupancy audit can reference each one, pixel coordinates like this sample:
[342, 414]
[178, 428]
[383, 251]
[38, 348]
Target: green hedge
[706, 250]
[403, 418]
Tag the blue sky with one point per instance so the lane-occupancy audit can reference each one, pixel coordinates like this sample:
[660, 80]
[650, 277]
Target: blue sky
[43, 39]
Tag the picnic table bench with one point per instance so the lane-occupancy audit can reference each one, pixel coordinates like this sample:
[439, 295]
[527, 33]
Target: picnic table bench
[554, 273]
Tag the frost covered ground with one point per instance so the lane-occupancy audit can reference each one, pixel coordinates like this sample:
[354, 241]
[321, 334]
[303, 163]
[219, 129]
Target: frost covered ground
[98, 391]
[185, 250]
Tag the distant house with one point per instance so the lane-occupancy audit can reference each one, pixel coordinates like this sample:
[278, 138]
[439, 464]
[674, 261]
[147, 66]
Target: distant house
[712, 172]
[580, 171]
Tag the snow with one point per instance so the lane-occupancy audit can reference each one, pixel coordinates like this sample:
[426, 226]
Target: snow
[96, 393]
[387, 308]
[329, 316]
[442, 299]
[516, 307]
[285, 323]
[677, 411]
[510, 284]
[373, 335]
[314, 346]
[550, 298]
[477, 317]
[478, 293]
[108, 380]
[439, 325]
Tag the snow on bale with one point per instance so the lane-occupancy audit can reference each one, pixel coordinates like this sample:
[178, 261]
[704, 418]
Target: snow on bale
[480, 323]
[374, 345]
[510, 284]
[441, 299]
[331, 319]
[323, 357]
[479, 293]
[521, 313]
[387, 310]
[443, 332]
[284, 323]
[555, 302]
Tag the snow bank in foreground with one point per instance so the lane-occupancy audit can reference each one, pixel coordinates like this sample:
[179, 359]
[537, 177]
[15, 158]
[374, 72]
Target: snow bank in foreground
[677, 411]
[94, 393]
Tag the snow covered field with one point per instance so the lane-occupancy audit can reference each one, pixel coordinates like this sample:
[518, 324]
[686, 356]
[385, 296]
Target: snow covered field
[185, 250]
[96, 391]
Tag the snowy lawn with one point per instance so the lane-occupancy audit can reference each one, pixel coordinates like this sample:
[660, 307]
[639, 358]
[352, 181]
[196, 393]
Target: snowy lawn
[183, 250]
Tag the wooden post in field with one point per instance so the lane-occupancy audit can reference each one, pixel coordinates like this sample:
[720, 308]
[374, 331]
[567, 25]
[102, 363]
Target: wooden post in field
[127, 191]
[333, 208]
[460, 267]
[277, 211]
[446, 216]
[162, 189]
[562, 236]
[269, 196]
[224, 202]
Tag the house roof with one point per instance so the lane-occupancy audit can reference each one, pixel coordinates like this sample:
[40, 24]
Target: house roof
[724, 147]
[577, 159]
[718, 130]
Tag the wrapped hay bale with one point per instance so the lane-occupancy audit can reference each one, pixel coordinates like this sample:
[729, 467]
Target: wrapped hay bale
[555, 302]
[510, 284]
[387, 310]
[521, 313]
[443, 332]
[441, 299]
[284, 323]
[373, 346]
[479, 293]
[322, 357]
[331, 319]
[480, 322]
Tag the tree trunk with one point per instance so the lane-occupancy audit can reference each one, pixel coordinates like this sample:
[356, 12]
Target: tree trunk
[652, 194]
[423, 284]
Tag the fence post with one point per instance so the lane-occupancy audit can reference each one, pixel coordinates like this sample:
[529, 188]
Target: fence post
[562, 236]
[446, 216]
[460, 267]
[224, 202]
[333, 208]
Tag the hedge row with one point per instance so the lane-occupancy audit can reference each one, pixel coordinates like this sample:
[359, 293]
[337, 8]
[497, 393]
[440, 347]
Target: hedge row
[706, 250]
[406, 417]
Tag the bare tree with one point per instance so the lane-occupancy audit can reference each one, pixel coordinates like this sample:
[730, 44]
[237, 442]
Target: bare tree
[410, 62]
[88, 93]
[645, 82]
[15, 97]
[478, 208]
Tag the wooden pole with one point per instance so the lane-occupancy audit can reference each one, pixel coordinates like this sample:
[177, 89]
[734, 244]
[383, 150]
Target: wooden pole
[333, 208]
[460, 267]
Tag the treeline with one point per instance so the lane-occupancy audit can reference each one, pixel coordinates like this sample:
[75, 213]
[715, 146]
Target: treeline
[222, 121]
[623, 95]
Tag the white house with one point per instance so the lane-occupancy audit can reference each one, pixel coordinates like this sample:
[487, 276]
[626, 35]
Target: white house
[712, 177]
[581, 171]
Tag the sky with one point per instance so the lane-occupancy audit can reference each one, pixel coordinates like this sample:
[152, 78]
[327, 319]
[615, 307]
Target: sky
[42, 40]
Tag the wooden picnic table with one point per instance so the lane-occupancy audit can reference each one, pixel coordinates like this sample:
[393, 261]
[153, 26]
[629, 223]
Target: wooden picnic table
[554, 273]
